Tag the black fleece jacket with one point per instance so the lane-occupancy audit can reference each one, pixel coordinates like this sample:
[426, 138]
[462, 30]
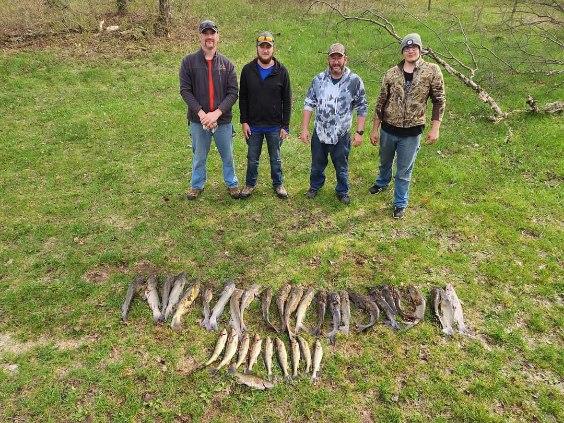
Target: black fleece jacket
[268, 102]
[194, 85]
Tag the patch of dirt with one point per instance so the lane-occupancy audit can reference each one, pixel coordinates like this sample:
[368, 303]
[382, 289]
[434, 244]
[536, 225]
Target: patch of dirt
[214, 408]
[366, 416]
[10, 345]
[186, 365]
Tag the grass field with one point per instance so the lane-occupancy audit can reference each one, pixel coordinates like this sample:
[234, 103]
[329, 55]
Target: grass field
[95, 163]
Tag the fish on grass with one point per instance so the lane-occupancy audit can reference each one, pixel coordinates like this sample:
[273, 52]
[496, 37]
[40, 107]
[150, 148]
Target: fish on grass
[230, 349]
[243, 351]
[248, 296]
[265, 300]
[321, 308]
[317, 357]
[306, 353]
[367, 305]
[220, 305]
[254, 353]
[152, 297]
[252, 381]
[282, 357]
[291, 306]
[295, 348]
[281, 302]
[165, 292]
[135, 288]
[184, 304]
[206, 299]
[235, 310]
[383, 305]
[219, 346]
[268, 354]
[345, 312]
[176, 292]
[302, 309]
[415, 311]
[335, 307]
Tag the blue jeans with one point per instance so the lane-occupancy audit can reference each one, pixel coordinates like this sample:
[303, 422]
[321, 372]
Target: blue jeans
[273, 143]
[339, 156]
[405, 149]
[201, 142]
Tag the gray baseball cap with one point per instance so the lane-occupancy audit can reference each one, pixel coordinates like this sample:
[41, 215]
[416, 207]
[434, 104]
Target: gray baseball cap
[411, 39]
[336, 48]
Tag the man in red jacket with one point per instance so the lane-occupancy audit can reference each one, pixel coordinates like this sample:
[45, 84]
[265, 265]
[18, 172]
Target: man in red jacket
[265, 103]
[208, 85]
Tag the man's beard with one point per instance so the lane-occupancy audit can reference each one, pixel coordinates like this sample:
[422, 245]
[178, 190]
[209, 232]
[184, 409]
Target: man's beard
[265, 61]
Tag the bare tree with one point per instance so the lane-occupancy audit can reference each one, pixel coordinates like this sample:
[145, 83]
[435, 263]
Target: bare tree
[163, 23]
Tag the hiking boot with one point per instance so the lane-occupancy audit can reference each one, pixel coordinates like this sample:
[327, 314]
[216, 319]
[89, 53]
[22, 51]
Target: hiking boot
[234, 192]
[399, 212]
[311, 193]
[375, 189]
[345, 199]
[246, 192]
[281, 191]
[193, 193]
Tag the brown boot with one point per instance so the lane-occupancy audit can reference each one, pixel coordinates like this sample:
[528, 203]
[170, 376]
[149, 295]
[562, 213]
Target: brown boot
[234, 192]
[281, 191]
[193, 193]
[246, 192]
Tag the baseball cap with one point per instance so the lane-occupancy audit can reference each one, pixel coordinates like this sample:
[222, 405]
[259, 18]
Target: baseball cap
[411, 39]
[207, 24]
[265, 37]
[336, 48]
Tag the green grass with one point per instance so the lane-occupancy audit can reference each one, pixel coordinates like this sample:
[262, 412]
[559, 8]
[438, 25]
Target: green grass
[95, 162]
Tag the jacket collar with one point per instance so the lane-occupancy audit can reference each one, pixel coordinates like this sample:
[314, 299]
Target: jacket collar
[418, 63]
[203, 56]
[276, 64]
[346, 74]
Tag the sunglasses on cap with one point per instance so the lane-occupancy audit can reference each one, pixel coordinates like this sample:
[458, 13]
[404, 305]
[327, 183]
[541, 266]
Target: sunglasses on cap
[265, 39]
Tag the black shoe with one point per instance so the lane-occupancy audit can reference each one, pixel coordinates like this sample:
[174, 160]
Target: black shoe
[345, 199]
[375, 189]
[311, 193]
[398, 212]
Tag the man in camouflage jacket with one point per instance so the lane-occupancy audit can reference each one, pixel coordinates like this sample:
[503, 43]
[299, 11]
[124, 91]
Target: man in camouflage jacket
[400, 111]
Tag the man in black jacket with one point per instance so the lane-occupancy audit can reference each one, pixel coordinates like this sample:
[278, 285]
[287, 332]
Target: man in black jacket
[208, 85]
[265, 104]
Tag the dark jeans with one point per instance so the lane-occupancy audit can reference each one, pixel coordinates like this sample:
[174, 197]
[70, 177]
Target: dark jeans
[273, 143]
[339, 156]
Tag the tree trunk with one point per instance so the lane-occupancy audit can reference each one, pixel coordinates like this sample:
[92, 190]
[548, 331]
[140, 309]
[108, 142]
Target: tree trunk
[162, 26]
[121, 6]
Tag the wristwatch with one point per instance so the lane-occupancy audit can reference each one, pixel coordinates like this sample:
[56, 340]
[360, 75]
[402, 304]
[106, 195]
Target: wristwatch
[360, 132]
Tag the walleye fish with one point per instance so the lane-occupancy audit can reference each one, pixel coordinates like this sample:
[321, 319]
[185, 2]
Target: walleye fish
[268, 353]
[291, 305]
[335, 307]
[265, 300]
[165, 292]
[321, 308]
[456, 307]
[218, 347]
[317, 356]
[306, 353]
[388, 296]
[243, 351]
[184, 304]
[235, 310]
[135, 287]
[152, 297]
[383, 306]
[206, 299]
[175, 294]
[295, 348]
[254, 353]
[281, 302]
[230, 349]
[282, 357]
[220, 305]
[302, 308]
[345, 313]
[248, 296]
[443, 310]
[252, 381]
[367, 305]
[417, 304]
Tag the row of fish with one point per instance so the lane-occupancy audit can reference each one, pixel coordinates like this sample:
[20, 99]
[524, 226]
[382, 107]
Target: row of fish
[406, 304]
[248, 352]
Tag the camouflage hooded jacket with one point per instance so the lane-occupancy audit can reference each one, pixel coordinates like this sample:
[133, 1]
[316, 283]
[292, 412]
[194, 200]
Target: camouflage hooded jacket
[403, 105]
